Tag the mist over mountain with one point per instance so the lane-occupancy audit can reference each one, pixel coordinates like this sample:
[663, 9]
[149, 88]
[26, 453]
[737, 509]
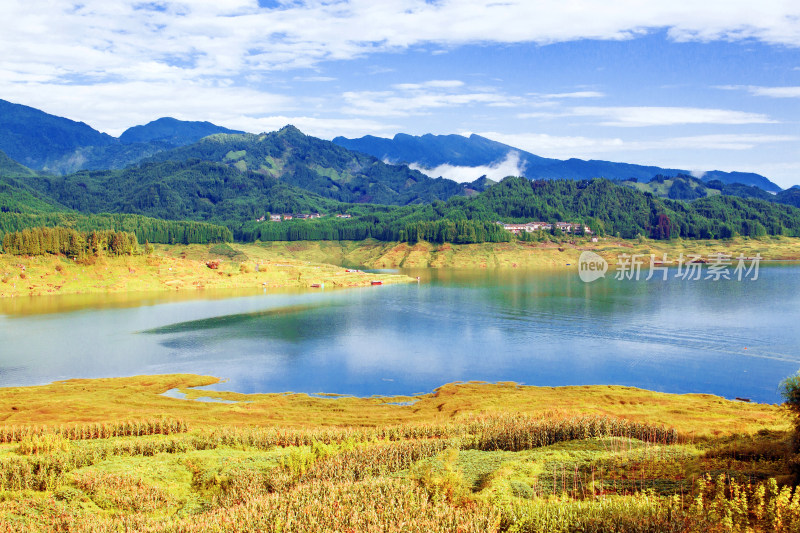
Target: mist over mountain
[452, 155]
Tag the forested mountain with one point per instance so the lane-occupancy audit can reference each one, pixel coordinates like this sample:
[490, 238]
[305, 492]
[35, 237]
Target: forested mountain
[17, 197]
[9, 167]
[58, 145]
[191, 190]
[236, 179]
[789, 197]
[615, 209]
[318, 166]
[172, 132]
[606, 207]
[39, 140]
[430, 151]
[684, 187]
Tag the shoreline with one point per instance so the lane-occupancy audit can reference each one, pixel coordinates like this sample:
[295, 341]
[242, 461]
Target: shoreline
[22, 276]
[308, 264]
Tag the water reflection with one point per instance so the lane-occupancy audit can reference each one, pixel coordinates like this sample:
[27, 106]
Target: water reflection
[543, 328]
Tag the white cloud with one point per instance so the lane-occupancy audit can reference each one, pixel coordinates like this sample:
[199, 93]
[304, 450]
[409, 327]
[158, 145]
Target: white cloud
[207, 38]
[438, 84]
[314, 78]
[510, 166]
[576, 94]
[640, 116]
[566, 146]
[773, 92]
[776, 92]
[418, 99]
[556, 146]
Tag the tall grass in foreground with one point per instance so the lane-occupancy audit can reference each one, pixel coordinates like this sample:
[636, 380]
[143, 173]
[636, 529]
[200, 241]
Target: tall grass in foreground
[390, 479]
[509, 432]
[720, 505]
[127, 428]
[374, 505]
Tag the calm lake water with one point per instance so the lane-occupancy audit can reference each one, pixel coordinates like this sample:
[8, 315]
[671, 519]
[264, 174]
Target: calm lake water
[728, 338]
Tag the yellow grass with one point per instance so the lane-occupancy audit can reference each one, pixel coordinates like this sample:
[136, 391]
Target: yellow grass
[301, 264]
[170, 269]
[376, 254]
[140, 397]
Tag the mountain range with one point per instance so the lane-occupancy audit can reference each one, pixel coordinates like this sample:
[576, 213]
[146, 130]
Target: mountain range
[58, 145]
[181, 170]
[432, 151]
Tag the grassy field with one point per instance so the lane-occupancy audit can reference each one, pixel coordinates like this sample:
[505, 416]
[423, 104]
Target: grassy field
[117, 455]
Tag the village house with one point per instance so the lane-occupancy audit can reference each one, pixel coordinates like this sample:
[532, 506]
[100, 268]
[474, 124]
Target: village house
[346, 215]
[278, 218]
[530, 227]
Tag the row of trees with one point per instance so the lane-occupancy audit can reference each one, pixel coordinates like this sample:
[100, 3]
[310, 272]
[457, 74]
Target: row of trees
[69, 242]
[146, 229]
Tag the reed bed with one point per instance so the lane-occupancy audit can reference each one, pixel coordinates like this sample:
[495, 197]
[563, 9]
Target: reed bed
[375, 505]
[624, 477]
[510, 432]
[124, 493]
[523, 432]
[128, 428]
[46, 472]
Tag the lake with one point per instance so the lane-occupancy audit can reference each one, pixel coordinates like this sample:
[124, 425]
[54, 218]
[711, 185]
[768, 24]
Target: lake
[730, 338]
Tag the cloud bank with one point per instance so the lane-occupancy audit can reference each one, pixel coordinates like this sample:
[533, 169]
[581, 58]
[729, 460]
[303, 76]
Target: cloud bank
[509, 166]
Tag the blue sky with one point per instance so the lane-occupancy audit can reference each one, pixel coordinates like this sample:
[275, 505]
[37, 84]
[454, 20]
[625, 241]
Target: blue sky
[678, 84]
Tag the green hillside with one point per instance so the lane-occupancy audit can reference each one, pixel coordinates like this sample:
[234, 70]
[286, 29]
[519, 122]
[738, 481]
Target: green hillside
[192, 190]
[9, 167]
[684, 187]
[317, 166]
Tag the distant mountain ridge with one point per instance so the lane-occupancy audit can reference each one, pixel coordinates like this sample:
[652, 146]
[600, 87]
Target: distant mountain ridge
[49, 143]
[172, 131]
[430, 151]
[58, 145]
[38, 140]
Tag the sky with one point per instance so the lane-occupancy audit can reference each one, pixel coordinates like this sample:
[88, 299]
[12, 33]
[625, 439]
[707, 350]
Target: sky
[685, 84]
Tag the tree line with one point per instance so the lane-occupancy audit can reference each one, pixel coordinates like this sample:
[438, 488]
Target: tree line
[146, 229]
[69, 242]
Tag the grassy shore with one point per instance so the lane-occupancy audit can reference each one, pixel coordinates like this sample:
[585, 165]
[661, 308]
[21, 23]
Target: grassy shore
[172, 268]
[117, 455]
[302, 264]
[549, 255]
